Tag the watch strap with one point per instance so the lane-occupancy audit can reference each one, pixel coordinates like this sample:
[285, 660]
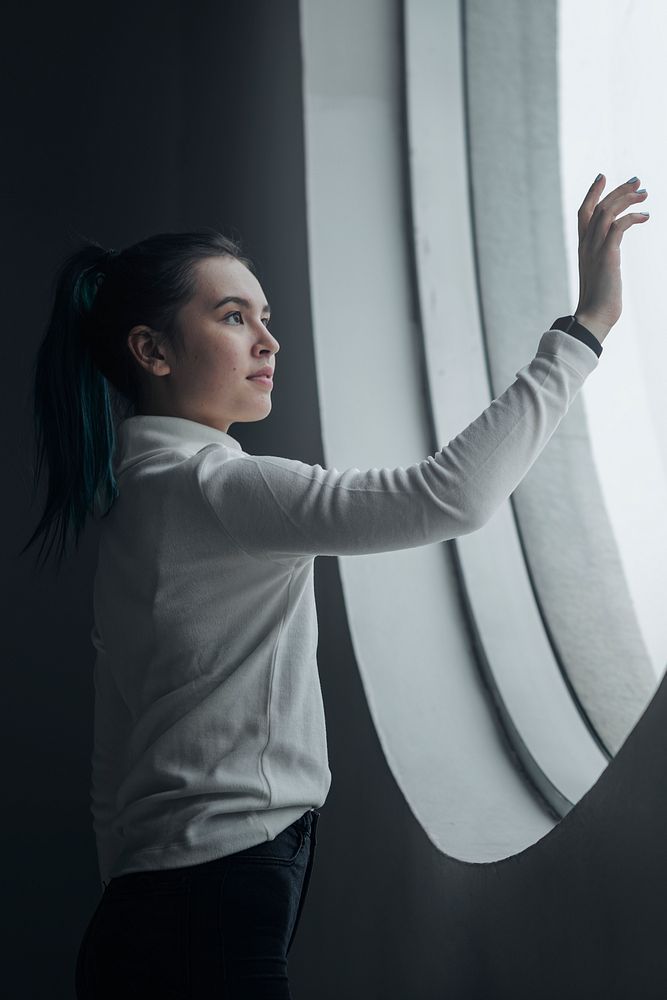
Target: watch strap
[570, 324]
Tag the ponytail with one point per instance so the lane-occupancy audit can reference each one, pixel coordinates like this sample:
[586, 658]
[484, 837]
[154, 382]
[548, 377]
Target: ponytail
[73, 425]
[84, 374]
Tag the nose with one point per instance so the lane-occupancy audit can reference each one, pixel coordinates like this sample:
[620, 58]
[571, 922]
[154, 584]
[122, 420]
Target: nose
[271, 342]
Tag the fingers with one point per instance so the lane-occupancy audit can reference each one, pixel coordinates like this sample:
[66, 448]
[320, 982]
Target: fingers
[603, 217]
[588, 204]
[618, 226]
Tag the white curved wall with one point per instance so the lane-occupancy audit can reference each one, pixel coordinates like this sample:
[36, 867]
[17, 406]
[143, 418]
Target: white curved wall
[406, 620]
[452, 189]
[568, 541]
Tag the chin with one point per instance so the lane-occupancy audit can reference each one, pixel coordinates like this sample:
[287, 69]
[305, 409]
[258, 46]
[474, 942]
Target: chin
[252, 418]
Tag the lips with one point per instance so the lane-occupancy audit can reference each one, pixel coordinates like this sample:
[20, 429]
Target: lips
[265, 380]
[266, 372]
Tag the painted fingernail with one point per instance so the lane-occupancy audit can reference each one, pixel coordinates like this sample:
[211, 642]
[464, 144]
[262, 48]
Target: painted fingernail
[597, 178]
[632, 180]
[640, 191]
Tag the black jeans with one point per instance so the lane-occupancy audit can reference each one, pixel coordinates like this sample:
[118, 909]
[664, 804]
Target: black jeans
[221, 929]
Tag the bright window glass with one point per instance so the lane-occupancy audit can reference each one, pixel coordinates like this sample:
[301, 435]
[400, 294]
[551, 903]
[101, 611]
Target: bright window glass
[613, 78]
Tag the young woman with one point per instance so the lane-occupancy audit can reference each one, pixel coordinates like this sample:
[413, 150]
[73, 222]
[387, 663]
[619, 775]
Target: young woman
[210, 760]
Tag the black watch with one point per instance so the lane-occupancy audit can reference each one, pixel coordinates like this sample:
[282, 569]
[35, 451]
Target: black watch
[570, 324]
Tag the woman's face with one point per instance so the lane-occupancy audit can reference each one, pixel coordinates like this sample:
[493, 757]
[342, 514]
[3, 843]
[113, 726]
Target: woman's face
[222, 344]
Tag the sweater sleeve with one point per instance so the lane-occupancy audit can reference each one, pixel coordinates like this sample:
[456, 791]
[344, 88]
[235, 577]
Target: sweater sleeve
[277, 508]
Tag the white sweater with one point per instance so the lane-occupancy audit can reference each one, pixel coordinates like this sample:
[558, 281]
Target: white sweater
[209, 732]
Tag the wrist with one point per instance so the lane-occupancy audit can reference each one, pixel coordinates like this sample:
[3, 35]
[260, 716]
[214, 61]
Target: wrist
[595, 326]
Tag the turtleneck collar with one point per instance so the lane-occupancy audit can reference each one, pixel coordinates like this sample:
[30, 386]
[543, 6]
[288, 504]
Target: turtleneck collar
[139, 436]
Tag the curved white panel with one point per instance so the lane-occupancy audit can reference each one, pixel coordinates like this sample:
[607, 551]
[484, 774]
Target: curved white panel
[568, 542]
[407, 623]
[565, 759]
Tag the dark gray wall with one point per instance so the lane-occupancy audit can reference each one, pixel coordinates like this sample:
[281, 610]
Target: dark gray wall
[146, 117]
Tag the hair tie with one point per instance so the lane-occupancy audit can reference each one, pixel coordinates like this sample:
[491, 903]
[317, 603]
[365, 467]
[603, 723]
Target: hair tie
[102, 267]
[106, 259]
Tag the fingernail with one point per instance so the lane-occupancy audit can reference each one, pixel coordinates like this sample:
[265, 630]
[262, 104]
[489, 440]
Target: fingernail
[632, 180]
[640, 191]
[597, 178]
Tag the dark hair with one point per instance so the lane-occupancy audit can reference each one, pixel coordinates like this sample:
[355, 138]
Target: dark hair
[85, 376]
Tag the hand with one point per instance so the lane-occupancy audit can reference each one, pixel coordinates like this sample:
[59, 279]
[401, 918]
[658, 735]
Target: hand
[600, 235]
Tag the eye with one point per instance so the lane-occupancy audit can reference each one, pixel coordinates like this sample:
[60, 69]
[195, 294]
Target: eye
[229, 315]
[236, 312]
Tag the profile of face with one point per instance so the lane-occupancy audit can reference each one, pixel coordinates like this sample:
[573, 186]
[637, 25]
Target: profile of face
[225, 340]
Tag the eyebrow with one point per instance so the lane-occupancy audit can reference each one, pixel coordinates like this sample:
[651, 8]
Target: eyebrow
[244, 302]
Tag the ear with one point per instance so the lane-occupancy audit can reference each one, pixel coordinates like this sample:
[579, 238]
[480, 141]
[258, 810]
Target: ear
[145, 346]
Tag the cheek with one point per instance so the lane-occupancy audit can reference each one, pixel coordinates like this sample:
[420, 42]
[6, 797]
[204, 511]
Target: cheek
[219, 361]
[225, 366]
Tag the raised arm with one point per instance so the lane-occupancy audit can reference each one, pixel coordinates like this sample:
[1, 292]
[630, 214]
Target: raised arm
[279, 508]
[276, 508]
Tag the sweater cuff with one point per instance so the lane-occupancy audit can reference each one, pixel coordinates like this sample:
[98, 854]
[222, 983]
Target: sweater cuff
[570, 350]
